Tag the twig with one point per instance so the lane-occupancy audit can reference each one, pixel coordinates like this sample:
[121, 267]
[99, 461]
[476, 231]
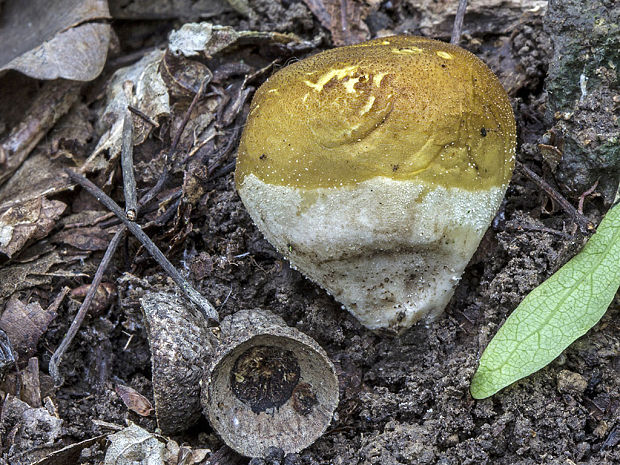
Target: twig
[223, 171]
[167, 215]
[585, 225]
[203, 304]
[129, 179]
[53, 307]
[583, 196]
[223, 152]
[458, 22]
[197, 147]
[81, 314]
[171, 197]
[83, 224]
[143, 115]
[132, 206]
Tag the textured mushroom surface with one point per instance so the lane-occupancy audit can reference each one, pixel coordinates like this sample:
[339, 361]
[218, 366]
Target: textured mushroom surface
[376, 169]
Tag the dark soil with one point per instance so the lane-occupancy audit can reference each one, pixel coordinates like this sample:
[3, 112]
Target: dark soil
[404, 400]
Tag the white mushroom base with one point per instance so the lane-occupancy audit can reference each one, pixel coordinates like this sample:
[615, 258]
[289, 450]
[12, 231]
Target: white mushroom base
[392, 252]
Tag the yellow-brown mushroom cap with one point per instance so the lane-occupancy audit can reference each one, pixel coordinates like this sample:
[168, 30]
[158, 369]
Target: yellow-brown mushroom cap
[407, 108]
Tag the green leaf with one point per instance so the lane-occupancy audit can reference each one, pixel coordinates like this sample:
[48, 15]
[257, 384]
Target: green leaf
[555, 314]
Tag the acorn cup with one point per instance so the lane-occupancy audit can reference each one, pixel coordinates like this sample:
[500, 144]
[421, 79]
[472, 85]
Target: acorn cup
[261, 383]
[181, 347]
[268, 385]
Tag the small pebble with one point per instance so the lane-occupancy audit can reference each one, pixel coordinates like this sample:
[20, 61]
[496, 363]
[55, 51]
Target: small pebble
[292, 459]
[571, 383]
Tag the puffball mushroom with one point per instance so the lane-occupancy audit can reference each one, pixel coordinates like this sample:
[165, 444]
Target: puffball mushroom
[376, 168]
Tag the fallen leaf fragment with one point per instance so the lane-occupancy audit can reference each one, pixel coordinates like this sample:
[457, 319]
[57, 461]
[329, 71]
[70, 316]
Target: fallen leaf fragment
[21, 276]
[53, 101]
[30, 220]
[24, 324]
[134, 401]
[135, 445]
[31, 385]
[194, 39]
[91, 239]
[151, 97]
[66, 41]
[28, 427]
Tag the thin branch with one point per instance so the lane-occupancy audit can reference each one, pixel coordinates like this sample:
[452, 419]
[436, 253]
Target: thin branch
[129, 179]
[458, 22]
[582, 199]
[203, 304]
[81, 314]
[223, 152]
[133, 207]
[585, 225]
[143, 115]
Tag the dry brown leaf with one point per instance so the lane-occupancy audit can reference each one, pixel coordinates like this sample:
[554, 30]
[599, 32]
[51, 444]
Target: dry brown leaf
[21, 276]
[64, 40]
[106, 292]
[24, 324]
[52, 102]
[92, 239]
[204, 38]
[134, 401]
[182, 75]
[38, 176]
[33, 219]
[31, 385]
[343, 18]
[132, 442]
[151, 97]
[42, 174]
[42, 429]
